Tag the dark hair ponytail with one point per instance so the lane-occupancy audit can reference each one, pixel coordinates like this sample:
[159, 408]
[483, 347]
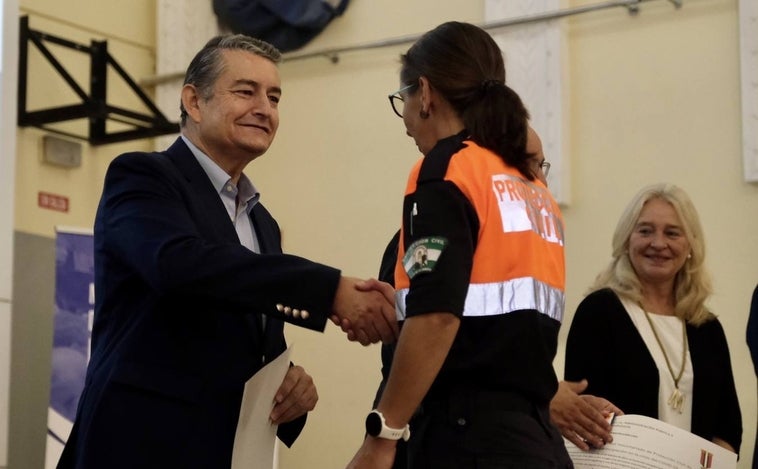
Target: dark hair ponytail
[465, 65]
[497, 119]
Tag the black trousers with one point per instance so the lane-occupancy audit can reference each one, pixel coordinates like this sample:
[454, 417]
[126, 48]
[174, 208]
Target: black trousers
[485, 430]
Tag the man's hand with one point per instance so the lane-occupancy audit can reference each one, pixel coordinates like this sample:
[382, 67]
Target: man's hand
[582, 419]
[375, 453]
[382, 287]
[365, 310]
[296, 396]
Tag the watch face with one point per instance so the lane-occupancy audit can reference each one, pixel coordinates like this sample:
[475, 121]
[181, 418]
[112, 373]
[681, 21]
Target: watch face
[373, 424]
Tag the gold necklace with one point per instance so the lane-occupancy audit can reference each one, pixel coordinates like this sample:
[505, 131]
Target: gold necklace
[676, 400]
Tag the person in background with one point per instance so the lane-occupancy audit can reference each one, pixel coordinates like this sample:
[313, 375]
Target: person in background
[193, 288]
[752, 343]
[481, 316]
[644, 337]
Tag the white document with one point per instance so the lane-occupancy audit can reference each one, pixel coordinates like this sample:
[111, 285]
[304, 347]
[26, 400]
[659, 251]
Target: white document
[644, 442]
[254, 442]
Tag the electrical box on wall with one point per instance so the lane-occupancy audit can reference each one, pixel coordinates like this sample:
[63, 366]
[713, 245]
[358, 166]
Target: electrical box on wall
[61, 152]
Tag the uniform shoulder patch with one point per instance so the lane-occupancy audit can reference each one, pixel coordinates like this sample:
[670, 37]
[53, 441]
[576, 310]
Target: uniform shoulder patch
[422, 255]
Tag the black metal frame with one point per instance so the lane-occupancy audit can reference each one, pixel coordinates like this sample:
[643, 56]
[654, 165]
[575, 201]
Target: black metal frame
[93, 106]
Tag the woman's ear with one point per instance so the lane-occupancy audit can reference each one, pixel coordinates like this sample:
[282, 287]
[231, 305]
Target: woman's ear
[426, 90]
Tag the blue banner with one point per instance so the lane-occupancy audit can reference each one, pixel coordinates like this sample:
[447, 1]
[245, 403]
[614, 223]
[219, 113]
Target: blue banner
[74, 309]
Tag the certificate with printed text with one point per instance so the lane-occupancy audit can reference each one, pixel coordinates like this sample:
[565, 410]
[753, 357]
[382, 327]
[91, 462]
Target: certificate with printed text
[644, 442]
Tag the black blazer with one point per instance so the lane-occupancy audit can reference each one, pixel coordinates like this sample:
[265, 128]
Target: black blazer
[177, 328]
[605, 347]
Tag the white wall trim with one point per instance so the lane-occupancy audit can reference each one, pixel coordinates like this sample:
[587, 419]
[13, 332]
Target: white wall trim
[749, 73]
[183, 27]
[8, 102]
[535, 69]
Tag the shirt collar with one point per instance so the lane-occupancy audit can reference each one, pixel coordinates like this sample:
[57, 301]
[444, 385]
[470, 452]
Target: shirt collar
[220, 179]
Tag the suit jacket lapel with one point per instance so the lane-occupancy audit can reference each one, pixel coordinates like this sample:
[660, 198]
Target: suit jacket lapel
[265, 230]
[205, 194]
[209, 202]
[269, 240]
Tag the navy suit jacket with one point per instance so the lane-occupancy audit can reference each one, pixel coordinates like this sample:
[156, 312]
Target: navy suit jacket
[752, 333]
[177, 328]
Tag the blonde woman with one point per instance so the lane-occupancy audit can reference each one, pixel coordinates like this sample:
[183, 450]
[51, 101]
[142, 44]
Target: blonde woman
[644, 338]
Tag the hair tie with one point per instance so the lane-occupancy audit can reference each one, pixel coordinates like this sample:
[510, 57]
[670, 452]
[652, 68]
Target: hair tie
[489, 84]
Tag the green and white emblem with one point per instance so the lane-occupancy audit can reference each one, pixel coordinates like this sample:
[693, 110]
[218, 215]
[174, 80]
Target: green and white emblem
[422, 255]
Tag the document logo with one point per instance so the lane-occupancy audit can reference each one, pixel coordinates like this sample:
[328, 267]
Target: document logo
[706, 459]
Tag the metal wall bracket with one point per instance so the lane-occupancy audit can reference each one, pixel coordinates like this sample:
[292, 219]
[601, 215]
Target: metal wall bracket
[93, 106]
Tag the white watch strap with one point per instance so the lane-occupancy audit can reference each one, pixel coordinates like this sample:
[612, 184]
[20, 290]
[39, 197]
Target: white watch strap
[385, 431]
[389, 433]
[395, 433]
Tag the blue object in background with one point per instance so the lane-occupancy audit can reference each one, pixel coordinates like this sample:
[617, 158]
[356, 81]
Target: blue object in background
[74, 303]
[287, 25]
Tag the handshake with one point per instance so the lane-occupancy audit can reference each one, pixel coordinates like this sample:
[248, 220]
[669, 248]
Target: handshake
[365, 310]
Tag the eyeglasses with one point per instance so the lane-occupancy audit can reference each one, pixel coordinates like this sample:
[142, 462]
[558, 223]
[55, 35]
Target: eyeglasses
[545, 167]
[396, 100]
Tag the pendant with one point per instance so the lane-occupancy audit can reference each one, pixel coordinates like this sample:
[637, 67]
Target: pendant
[676, 401]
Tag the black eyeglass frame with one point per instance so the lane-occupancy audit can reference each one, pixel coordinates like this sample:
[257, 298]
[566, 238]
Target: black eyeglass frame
[396, 95]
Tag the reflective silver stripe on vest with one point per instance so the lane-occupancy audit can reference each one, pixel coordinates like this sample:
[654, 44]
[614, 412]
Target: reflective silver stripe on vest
[492, 299]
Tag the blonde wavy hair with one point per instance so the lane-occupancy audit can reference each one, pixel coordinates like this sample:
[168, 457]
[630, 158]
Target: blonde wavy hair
[692, 285]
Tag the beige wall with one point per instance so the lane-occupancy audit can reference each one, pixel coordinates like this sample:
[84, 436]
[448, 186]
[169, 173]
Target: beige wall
[129, 28]
[652, 98]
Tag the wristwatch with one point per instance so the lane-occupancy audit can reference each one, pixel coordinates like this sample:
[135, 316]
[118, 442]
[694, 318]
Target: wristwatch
[377, 427]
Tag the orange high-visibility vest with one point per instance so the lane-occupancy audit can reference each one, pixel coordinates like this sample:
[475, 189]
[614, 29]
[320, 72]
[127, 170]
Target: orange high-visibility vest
[519, 257]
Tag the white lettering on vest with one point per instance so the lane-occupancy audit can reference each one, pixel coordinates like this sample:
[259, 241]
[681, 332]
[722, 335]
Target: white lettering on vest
[525, 206]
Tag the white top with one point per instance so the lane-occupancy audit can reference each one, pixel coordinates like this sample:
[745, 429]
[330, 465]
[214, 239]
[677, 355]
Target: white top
[669, 329]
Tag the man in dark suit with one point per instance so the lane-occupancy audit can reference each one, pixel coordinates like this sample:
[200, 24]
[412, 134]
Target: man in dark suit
[193, 288]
